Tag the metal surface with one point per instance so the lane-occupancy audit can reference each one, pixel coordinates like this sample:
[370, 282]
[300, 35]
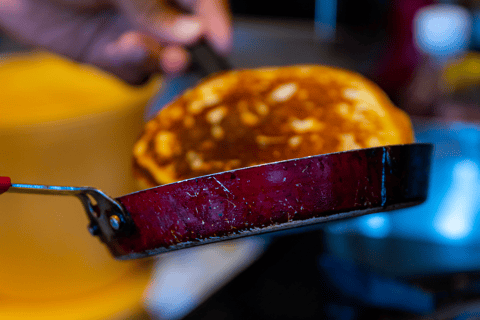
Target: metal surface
[273, 197]
[100, 208]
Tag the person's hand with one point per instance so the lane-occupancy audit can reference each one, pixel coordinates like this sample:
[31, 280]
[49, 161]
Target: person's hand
[129, 38]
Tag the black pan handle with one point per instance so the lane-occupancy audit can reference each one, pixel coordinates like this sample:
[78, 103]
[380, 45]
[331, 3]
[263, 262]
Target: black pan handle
[205, 61]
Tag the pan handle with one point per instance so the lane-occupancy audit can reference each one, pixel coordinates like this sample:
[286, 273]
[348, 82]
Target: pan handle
[107, 216]
[206, 61]
[5, 184]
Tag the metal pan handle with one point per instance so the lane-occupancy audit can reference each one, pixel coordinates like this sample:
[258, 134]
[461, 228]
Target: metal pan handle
[107, 216]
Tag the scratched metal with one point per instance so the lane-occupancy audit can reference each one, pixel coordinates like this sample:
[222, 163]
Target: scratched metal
[272, 197]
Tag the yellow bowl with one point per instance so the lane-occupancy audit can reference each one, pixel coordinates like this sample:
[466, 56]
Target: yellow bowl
[64, 124]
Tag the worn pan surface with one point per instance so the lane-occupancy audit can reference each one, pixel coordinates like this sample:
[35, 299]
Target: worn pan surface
[273, 197]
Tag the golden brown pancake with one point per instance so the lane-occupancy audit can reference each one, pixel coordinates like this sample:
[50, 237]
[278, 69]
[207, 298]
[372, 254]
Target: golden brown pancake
[249, 117]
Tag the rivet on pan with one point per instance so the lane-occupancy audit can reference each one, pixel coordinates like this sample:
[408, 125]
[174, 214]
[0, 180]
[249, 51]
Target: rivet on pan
[115, 222]
[94, 229]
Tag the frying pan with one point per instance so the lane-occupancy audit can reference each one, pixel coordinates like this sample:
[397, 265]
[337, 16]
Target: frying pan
[251, 201]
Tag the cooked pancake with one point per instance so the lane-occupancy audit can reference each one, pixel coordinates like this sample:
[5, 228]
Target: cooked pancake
[249, 117]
